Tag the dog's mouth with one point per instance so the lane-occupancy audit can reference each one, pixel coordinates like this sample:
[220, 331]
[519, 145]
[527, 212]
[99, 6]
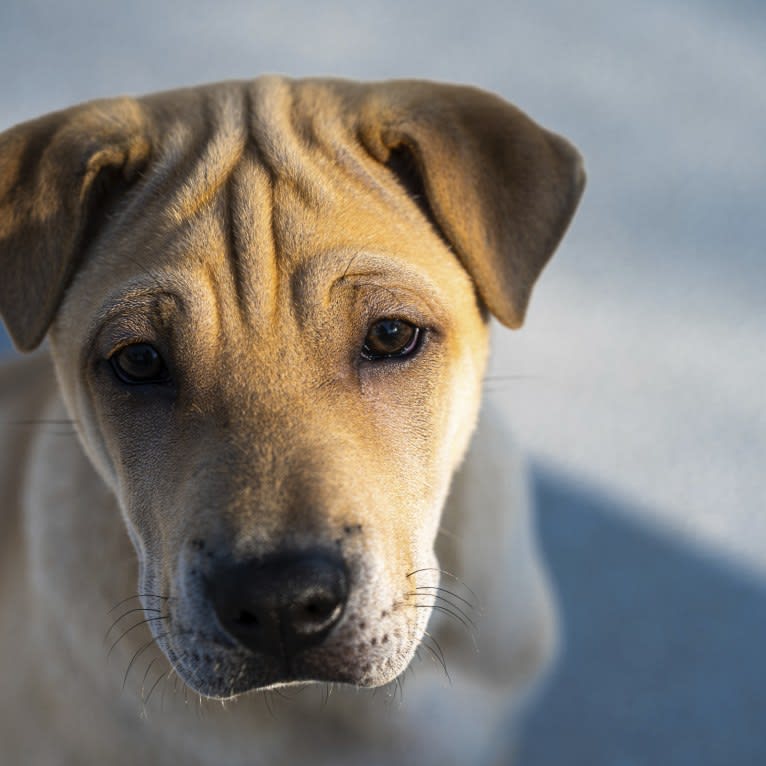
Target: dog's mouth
[292, 618]
[359, 651]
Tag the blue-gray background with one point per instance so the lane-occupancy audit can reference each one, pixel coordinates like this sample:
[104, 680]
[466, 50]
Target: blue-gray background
[639, 382]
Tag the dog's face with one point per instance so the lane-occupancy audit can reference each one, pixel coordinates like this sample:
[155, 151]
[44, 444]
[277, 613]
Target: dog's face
[272, 340]
[291, 411]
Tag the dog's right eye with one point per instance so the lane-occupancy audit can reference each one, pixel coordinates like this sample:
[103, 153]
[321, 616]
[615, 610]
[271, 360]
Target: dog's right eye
[139, 363]
[391, 339]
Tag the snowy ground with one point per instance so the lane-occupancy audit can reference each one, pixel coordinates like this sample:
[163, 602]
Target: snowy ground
[640, 387]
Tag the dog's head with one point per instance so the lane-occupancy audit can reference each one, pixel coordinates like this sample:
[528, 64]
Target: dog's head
[268, 305]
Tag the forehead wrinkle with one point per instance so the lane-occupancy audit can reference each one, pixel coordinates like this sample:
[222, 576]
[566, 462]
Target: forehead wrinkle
[309, 161]
[188, 165]
[319, 123]
[285, 142]
[267, 200]
[156, 186]
[221, 154]
[250, 236]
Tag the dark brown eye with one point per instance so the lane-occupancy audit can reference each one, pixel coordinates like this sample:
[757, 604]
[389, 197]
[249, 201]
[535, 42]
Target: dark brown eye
[391, 338]
[139, 363]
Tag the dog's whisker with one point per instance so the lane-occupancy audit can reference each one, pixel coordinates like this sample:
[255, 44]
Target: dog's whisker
[437, 653]
[432, 638]
[444, 600]
[282, 695]
[449, 592]
[294, 691]
[154, 686]
[447, 611]
[125, 614]
[400, 688]
[146, 675]
[391, 689]
[139, 595]
[267, 701]
[446, 574]
[133, 627]
[138, 653]
[350, 263]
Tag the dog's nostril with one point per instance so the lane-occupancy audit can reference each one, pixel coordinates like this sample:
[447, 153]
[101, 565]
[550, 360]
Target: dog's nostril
[315, 615]
[316, 610]
[321, 610]
[247, 619]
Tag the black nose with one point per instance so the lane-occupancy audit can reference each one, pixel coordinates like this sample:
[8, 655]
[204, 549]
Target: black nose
[282, 604]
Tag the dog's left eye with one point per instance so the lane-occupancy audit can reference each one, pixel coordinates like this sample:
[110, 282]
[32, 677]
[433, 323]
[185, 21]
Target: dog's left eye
[391, 339]
[139, 363]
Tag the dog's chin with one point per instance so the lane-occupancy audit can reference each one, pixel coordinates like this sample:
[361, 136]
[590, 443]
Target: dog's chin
[223, 673]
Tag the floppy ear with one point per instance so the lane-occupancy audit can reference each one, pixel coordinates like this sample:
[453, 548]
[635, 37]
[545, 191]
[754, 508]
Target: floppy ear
[57, 175]
[500, 188]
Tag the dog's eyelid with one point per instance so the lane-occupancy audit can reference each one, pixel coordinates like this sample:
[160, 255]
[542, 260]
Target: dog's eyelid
[110, 340]
[375, 303]
[133, 316]
[398, 293]
[132, 340]
[113, 337]
[374, 272]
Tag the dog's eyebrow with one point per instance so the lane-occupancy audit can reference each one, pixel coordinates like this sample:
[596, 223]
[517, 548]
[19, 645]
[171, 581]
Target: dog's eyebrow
[316, 280]
[136, 295]
[345, 266]
[403, 279]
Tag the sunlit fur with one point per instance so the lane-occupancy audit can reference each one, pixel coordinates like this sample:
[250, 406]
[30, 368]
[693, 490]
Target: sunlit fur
[259, 232]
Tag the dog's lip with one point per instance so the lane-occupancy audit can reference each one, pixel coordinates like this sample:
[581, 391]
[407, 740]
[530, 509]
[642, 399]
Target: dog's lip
[254, 672]
[220, 668]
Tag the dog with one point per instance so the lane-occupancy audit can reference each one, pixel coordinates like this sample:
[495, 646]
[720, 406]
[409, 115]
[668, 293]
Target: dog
[239, 470]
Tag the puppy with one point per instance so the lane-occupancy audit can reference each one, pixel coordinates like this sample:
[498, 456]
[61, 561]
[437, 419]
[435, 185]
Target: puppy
[267, 310]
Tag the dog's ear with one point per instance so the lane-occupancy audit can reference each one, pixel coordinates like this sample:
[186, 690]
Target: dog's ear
[58, 175]
[500, 188]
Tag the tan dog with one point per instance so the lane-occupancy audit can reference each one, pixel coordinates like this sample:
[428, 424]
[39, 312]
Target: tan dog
[267, 309]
